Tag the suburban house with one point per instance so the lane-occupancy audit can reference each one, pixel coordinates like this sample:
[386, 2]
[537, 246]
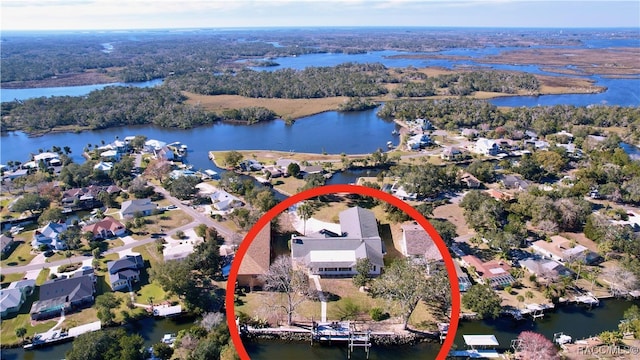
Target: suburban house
[418, 141]
[223, 201]
[493, 272]
[256, 260]
[463, 279]
[124, 271]
[564, 250]
[152, 145]
[49, 158]
[330, 254]
[49, 236]
[487, 147]
[451, 153]
[103, 166]
[545, 268]
[470, 181]
[64, 295]
[311, 169]
[398, 191]
[418, 245]
[6, 244]
[12, 298]
[164, 153]
[130, 208]
[82, 198]
[110, 156]
[105, 228]
[514, 182]
[250, 165]
[179, 251]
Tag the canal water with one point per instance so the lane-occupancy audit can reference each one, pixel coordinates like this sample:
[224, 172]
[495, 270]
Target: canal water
[150, 329]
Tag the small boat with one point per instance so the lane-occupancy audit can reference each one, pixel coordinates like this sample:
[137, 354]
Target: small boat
[169, 338]
[389, 144]
[394, 132]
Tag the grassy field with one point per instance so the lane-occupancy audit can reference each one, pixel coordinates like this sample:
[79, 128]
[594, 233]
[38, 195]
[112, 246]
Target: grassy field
[284, 108]
[21, 254]
[9, 278]
[161, 223]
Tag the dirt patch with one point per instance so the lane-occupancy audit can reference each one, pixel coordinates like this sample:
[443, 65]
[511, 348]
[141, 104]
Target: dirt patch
[454, 214]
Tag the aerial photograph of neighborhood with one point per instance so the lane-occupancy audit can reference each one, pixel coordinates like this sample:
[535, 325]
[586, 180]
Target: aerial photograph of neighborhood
[488, 152]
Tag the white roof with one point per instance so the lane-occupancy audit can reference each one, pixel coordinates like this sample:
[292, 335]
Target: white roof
[480, 340]
[332, 255]
[109, 153]
[45, 156]
[495, 271]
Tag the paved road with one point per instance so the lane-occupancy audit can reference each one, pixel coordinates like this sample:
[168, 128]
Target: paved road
[199, 218]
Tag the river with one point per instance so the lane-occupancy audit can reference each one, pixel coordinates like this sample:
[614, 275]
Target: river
[576, 321]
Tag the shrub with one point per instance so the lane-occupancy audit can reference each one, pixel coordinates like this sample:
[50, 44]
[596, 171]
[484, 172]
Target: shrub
[378, 314]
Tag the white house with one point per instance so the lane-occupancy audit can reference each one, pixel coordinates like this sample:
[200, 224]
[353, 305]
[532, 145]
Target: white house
[223, 201]
[153, 145]
[48, 235]
[487, 147]
[143, 206]
[331, 254]
[104, 166]
[418, 141]
[563, 250]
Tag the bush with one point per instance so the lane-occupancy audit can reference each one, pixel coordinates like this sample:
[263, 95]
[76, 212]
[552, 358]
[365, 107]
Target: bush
[377, 314]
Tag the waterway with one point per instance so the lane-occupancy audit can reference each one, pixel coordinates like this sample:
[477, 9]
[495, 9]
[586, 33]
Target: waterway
[150, 329]
[329, 132]
[24, 94]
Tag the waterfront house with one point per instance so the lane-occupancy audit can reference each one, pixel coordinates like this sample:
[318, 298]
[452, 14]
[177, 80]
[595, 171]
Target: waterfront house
[63, 295]
[487, 147]
[464, 283]
[311, 169]
[165, 154]
[493, 272]
[124, 272]
[256, 260]
[331, 254]
[546, 269]
[143, 207]
[106, 228]
[49, 158]
[223, 201]
[418, 245]
[110, 155]
[12, 298]
[250, 165]
[399, 191]
[6, 244]
[152, 145]
[418, 141]
[564, 250]
[49, 236]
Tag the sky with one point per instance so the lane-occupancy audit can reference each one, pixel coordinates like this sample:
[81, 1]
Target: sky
[150, 14]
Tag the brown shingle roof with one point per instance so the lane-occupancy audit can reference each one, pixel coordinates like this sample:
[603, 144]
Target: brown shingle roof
[258, 257]
[419, 243]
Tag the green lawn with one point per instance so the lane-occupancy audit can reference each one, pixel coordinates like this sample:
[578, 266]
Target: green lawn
[21, 254]
[22, 319]
[161, 223]
[42, 276]
[9, 278]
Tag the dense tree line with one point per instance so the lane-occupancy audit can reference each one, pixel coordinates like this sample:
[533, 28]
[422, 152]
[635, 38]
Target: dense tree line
[455, 113]
[465, 83]
[118, 106]
[313, 82]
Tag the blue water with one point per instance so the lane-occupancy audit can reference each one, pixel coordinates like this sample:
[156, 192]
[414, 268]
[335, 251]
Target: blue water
[23, 94]
[330, 132]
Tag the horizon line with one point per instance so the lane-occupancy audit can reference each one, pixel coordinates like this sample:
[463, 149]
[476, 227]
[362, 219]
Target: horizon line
[329, 27]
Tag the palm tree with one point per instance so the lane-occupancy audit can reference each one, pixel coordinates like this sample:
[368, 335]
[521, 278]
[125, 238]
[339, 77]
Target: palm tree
[21, 332]
[305, 211]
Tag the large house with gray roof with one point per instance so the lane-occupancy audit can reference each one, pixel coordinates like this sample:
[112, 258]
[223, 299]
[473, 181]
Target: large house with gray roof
[12, 298]
[143, 207]
[64, 295]
[125, 271]
[330, 254]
